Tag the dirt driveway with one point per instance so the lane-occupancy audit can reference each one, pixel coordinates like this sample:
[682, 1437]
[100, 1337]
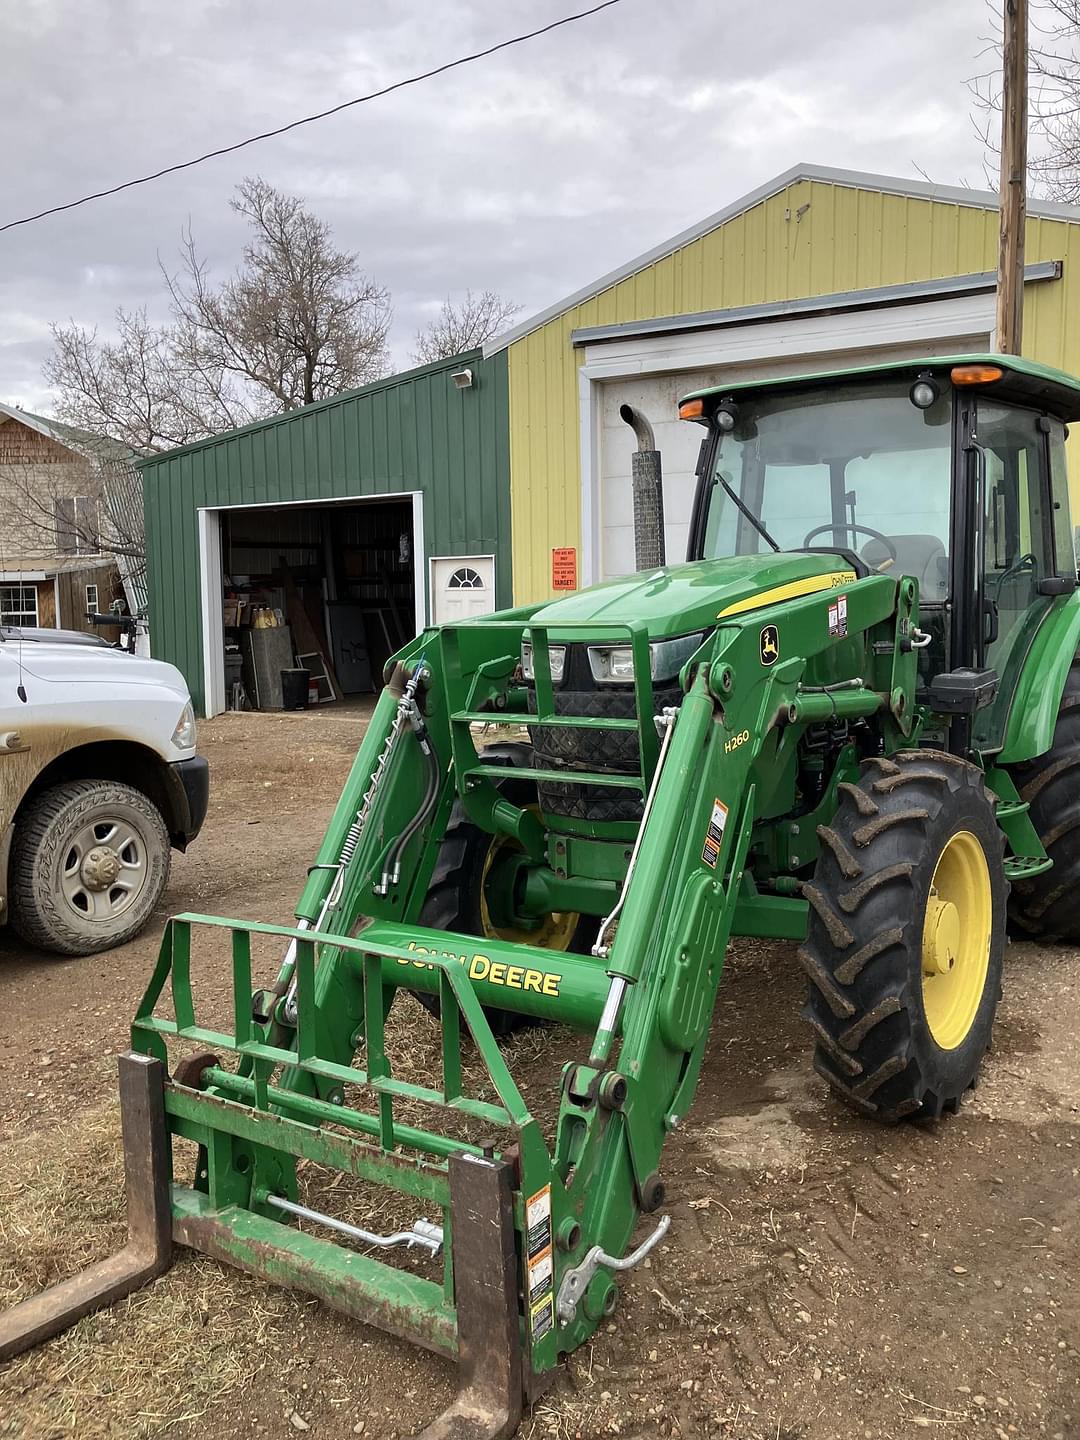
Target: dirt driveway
[821, 1278]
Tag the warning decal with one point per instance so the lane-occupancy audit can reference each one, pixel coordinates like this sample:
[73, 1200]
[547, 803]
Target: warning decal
[714, 836]
[564, 568]
[539, 1265]
[838, 616]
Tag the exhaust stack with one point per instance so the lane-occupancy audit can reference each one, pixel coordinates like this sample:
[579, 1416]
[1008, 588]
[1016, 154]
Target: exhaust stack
[648, 483]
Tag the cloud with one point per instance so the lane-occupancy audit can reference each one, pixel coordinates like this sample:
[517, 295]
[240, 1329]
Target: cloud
[530, 172]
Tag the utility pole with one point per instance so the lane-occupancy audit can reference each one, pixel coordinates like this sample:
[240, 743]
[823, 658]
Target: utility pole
[1014, 107]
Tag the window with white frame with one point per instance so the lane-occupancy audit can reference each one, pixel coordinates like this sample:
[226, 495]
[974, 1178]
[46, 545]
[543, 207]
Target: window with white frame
[91, 600]
[18, 605]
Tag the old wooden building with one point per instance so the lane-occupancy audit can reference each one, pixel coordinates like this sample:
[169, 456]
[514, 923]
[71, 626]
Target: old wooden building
[53, 572]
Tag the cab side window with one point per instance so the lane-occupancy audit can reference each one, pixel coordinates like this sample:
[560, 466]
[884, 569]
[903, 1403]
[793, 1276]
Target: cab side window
[1017, 548]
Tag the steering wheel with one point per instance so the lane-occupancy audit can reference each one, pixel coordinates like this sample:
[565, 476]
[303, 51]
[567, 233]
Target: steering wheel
[853, 526]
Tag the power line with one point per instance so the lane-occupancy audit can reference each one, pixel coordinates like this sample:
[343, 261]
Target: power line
[310, 119]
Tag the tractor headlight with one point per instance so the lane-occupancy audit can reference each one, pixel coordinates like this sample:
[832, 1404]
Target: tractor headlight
[183, 737]
[611, 664]
[556, 658]
[614, 664]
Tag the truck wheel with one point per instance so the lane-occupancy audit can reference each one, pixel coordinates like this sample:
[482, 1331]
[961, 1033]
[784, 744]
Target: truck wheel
[1048, 905]
[90, 859]
[455, 899]
[906, 936]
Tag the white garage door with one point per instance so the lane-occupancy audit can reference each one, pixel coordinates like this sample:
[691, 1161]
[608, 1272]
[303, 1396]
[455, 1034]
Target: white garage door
[679, 441]
[461, 585]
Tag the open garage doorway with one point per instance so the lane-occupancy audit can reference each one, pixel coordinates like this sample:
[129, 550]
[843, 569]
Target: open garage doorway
[332, 588]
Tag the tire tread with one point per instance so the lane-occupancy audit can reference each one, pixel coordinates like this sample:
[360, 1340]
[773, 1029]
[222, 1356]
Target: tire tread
[36, 915]
[862, 954]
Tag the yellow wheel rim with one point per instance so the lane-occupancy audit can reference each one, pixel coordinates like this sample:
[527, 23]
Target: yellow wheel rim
[555, 931]
[957, 932]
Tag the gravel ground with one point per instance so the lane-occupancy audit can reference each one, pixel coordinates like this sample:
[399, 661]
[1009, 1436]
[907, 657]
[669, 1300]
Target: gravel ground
[822, 1279]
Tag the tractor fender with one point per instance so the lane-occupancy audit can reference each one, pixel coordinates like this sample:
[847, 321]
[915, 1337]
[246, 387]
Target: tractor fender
[1041, 684]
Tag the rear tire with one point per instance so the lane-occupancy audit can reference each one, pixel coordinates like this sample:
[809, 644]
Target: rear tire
[90, 859]
[1047, 906]
[882, 896]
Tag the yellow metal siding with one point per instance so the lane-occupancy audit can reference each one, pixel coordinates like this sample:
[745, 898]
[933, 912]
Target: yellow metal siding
[847, 239]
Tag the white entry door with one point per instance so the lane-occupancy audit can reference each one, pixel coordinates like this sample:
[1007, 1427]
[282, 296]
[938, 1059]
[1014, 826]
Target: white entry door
[461, 585]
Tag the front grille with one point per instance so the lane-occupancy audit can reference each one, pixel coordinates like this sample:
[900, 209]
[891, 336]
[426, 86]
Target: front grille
[561, 747]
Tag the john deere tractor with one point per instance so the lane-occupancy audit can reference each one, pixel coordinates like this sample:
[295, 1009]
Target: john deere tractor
[851, 720]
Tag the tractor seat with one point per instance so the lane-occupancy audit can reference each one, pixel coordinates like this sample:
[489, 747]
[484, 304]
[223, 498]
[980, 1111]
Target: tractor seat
[922, 556]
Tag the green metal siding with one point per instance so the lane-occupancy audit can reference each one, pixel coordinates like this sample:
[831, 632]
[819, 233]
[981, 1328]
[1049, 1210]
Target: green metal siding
[414, 431]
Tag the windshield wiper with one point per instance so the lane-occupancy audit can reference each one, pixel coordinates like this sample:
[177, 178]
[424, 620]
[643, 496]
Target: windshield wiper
[745, 509]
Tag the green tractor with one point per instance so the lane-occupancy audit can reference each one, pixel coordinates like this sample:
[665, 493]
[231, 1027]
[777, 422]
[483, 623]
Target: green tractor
[851, 720]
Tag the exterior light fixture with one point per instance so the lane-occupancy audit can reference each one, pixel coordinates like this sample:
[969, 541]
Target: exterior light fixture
[925, 391]
[463, 379]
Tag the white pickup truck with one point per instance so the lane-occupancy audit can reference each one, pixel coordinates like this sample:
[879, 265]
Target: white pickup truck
[99, 780]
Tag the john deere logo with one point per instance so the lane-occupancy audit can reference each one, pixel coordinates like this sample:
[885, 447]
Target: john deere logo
[770, 645]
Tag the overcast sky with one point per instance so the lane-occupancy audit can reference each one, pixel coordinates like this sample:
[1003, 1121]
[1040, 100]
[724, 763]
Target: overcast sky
[532, 172]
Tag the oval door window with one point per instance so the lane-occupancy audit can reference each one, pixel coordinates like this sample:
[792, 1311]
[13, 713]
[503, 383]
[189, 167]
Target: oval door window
[465, 579]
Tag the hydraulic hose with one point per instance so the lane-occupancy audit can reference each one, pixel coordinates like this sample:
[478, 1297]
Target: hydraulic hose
[392, 866]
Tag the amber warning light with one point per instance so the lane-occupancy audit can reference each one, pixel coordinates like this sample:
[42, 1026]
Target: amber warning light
[975, 374]
[691, 409]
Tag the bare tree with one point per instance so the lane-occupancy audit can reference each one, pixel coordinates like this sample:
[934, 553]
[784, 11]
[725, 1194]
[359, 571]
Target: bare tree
[1054, 100]
[297, 321]
[127, 388]
[463, 326]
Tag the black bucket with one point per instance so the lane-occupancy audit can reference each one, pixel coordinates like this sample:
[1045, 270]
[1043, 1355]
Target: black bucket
[294, 689]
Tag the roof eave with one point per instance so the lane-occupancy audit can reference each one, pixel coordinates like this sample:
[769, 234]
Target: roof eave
[822, 174]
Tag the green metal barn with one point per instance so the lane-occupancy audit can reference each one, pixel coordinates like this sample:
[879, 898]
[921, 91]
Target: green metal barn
[351, 523]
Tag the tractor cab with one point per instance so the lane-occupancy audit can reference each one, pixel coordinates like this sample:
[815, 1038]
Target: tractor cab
[949, 471]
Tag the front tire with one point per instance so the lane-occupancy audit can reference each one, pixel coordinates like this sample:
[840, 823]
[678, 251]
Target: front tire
[90, 859]
[906, 936]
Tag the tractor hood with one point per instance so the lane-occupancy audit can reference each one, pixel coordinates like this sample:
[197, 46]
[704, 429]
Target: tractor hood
[678, 599]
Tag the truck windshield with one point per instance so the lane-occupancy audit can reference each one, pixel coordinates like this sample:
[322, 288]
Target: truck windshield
[859, 465]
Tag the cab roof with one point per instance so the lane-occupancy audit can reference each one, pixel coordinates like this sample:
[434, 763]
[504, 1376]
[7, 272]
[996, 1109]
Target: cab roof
[1024, 382]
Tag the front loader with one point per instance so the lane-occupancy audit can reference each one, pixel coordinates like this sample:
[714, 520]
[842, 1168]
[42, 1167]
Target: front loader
[849, 720]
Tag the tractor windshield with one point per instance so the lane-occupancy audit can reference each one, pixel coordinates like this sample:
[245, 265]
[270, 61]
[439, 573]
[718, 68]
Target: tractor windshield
[859, 467]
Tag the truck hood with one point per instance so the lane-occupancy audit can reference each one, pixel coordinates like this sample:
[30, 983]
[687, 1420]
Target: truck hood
[678, 599]
[64, 663]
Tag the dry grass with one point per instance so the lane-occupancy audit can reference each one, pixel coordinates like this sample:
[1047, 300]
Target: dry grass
[162, 1356]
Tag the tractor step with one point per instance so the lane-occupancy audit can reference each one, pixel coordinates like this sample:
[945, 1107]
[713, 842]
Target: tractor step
[1007, 809]
[1025, 867]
